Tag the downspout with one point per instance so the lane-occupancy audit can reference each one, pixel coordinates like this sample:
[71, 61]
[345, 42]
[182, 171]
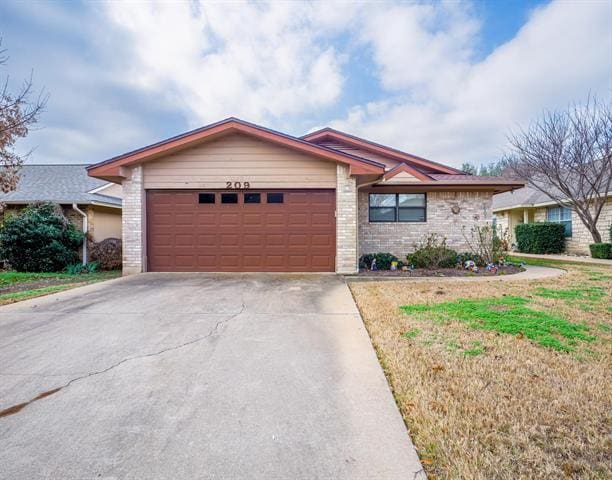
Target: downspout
[84, 215]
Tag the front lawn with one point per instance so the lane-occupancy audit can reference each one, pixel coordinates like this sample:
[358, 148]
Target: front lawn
[17, 286]
[500, 380]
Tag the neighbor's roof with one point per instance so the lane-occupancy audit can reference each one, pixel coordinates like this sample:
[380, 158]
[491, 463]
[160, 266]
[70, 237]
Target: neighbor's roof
[522, 198]
[59, 184]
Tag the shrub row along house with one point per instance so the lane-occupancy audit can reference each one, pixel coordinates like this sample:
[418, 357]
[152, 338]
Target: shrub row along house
[234, 196]
[528, 205]
[91, 204]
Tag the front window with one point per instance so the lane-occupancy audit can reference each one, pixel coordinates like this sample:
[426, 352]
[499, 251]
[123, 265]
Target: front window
[561, 215]
[398, 207]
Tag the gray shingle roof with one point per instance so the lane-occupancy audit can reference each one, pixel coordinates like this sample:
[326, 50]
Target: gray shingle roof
[57, 183]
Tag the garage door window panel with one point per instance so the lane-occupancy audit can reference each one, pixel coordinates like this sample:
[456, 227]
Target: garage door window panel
[229, 198]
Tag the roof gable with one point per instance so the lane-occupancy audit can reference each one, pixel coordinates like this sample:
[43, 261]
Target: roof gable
[111, 169]
[327, 135]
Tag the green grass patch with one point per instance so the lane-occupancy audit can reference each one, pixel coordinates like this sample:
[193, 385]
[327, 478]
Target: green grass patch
[599, 276]
[10, 278]
[477, 348]
[541, 262]
[509, 315]
[604, 328]
[413, 333]
[37, 292]
[591, 294]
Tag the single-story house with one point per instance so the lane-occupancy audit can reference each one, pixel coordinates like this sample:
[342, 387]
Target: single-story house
[80, 196]
[235, 196]
[528, 205]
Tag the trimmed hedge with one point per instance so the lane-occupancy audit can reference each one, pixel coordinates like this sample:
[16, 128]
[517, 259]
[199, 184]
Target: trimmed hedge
[601, 250]
[540, 237]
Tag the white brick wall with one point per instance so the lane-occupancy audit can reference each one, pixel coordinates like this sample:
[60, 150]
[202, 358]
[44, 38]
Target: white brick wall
[346, 221]
[133, 223]
[399, 238]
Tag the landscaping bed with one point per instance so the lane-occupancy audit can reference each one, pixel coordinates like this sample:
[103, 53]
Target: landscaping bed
[443, 272]
[500, 380]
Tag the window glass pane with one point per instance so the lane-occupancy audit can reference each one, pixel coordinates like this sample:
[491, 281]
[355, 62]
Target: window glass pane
[566, 213]
[252, 198]
[411, 199]
[568, 228]
[206, 198]
[552, 214]
[275, 198]
[411, 214]
[383, 214]
[382, 199]
[229, 198]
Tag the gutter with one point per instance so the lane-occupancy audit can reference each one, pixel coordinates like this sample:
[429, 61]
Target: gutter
[84, 215]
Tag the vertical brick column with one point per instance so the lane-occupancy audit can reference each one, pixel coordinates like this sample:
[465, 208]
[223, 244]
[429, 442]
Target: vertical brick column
[346, 221]
[133, 223]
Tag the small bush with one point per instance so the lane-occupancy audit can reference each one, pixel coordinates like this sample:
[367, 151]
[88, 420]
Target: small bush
[39, 239]
[383, 260]
[486, 242]
[541, 237]
[477, 259]
[107, 253]
[78, 268]
[601, 250]
[432, 252]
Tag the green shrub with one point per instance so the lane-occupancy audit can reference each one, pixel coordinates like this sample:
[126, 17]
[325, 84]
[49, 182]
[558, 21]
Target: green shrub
[383, 260]
[474, 257]
[39, 239]
[78, 268]
[432, 252]
[601, 250]
[540, 237]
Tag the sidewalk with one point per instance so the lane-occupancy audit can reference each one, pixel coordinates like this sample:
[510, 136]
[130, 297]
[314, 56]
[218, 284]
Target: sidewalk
[564, 258]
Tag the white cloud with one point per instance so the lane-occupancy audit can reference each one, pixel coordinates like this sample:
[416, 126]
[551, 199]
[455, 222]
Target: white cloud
[443, 104]
[214, 60]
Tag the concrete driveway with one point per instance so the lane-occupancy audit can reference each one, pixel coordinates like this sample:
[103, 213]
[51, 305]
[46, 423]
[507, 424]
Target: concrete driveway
[197, 376]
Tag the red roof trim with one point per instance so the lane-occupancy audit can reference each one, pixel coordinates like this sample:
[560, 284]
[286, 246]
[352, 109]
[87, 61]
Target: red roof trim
[110, 168]
[378, 148]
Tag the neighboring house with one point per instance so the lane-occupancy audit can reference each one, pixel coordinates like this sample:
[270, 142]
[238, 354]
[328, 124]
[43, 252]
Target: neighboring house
[528, 205]
[78, 194]
[234, 196]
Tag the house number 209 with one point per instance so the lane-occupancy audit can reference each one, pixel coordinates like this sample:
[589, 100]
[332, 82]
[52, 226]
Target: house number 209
[238, 185]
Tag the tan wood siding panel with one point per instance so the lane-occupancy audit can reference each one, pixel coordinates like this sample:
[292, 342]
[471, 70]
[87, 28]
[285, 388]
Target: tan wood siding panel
[239, 158]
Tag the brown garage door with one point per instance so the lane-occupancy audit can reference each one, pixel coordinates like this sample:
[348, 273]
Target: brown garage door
[247, 231]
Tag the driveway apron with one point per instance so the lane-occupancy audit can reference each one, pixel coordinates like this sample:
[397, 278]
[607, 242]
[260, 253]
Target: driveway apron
[197, 376]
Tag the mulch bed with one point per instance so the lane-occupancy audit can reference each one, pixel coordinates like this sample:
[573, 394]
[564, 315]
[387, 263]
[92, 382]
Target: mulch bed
[444, 272]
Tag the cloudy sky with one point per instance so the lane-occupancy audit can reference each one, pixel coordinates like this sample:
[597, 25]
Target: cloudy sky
[443, 80]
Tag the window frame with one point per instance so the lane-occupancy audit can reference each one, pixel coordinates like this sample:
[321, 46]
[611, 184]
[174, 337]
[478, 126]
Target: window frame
[565, 222]
[397, 208]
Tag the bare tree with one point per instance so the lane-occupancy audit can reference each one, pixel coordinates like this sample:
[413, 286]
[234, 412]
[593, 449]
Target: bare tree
[18, 113]
[567, 155]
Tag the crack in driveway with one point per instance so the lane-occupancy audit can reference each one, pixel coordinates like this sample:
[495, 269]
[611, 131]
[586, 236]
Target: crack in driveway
[20, 406]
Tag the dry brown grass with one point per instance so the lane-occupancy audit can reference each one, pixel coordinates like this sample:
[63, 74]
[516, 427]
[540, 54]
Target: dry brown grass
[518, 410]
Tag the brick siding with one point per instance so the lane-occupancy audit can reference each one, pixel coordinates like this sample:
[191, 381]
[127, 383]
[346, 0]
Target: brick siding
[399, 238]
[133, 224]
[346, 221]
